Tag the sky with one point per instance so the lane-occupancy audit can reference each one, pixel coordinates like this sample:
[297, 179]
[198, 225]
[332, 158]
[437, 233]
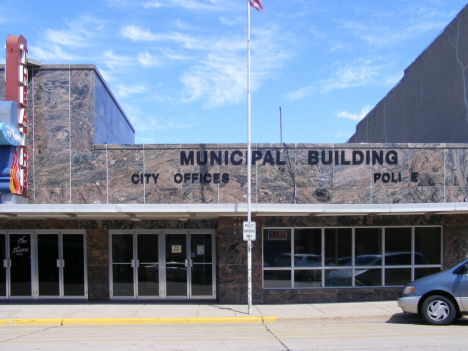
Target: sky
[178, 68]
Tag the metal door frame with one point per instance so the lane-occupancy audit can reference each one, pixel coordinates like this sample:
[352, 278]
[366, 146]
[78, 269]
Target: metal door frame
[189, 233]
[6, 264]
[34, 264]
[60, 234]
[162, 264]
[135, 262]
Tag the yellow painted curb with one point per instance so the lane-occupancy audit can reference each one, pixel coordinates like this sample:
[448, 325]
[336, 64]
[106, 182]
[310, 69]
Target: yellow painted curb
[116, 321]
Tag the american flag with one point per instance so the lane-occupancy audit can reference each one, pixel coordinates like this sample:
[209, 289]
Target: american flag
[256, 4]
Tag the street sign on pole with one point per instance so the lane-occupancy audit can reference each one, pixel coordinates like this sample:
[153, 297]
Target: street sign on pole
[249, 231]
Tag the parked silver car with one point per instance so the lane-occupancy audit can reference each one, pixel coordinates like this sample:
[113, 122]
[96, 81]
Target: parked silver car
[440, 298]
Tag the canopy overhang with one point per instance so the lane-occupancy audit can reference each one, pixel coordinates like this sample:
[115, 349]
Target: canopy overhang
[138, 212]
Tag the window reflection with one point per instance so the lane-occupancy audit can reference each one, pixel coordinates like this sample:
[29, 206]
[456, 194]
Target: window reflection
[338, 246]
[427, 241]
[368, 243]
[277, 248]
[324, 257]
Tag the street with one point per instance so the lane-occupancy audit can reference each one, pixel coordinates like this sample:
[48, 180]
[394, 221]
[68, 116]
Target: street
[273, 336]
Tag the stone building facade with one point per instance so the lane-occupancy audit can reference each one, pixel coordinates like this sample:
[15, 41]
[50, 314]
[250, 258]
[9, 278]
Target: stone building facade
[110, 219]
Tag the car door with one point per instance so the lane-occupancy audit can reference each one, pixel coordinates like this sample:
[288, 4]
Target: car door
[463, 287]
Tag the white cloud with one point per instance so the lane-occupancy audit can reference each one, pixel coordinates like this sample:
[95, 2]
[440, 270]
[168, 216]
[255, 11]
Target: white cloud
[191, 5]
[360, 72]
[149, 130]
[78, 34]
[300, 93]
[171, 55]
[355, 117]
[394, 27]
[219, 80]
[52, 54]
[148, 60]
[186, 41]
[221, 77]
[65, 37]
[218, 73]
[152, 4]
[231, 21]
[113, 61]
[127, 90]
[59, 44]
[343, 134]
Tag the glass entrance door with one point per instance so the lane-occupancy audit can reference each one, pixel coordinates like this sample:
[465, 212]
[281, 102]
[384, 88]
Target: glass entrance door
[43, 264]
[176, 265]
[201, 265]
[135, 265]
[148, 265]
[172, 264]
[189, 264]
[4, 266]
[61, 272]
[19, 264]
[122, 265]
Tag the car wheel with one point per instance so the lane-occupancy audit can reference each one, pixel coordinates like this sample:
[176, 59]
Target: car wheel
[438, 310]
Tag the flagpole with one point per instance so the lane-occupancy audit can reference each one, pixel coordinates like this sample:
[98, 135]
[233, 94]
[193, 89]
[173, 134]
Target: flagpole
[249, 170]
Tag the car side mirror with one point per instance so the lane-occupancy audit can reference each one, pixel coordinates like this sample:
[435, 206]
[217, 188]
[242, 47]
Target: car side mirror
[461, 270]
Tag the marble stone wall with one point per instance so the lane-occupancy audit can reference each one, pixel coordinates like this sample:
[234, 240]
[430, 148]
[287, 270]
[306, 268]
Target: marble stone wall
[231, 252]
[70, 108]
[334, 174]
[232, 257]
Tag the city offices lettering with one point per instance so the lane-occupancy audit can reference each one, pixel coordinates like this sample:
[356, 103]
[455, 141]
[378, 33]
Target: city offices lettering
[272, 158]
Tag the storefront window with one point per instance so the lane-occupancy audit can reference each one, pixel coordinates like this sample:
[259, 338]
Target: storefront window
[428, 243]
[307, 247]
[338, 246]
[397, 246]
[338, 278]
[277, 279]
[277, 248]
[368, 247]
[349, 257]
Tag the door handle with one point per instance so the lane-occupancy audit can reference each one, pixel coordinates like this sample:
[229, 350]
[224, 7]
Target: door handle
[186, 263]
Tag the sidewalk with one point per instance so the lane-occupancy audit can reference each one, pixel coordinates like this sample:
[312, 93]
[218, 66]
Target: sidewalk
[68, 313]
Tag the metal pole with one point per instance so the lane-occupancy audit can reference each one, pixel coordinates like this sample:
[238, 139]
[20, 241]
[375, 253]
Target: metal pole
[249, 170]
[281, 128]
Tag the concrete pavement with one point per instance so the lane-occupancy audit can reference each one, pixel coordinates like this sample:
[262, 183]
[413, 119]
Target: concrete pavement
[167, 312]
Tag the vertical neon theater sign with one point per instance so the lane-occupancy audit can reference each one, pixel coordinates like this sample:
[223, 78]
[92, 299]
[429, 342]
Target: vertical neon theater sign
[13, 150]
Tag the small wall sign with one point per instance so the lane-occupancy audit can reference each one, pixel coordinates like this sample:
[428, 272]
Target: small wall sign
[200, 250]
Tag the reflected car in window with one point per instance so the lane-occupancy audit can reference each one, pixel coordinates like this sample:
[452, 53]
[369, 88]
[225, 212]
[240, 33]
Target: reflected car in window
[300, 260]
[440, 298]
[373, 276]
